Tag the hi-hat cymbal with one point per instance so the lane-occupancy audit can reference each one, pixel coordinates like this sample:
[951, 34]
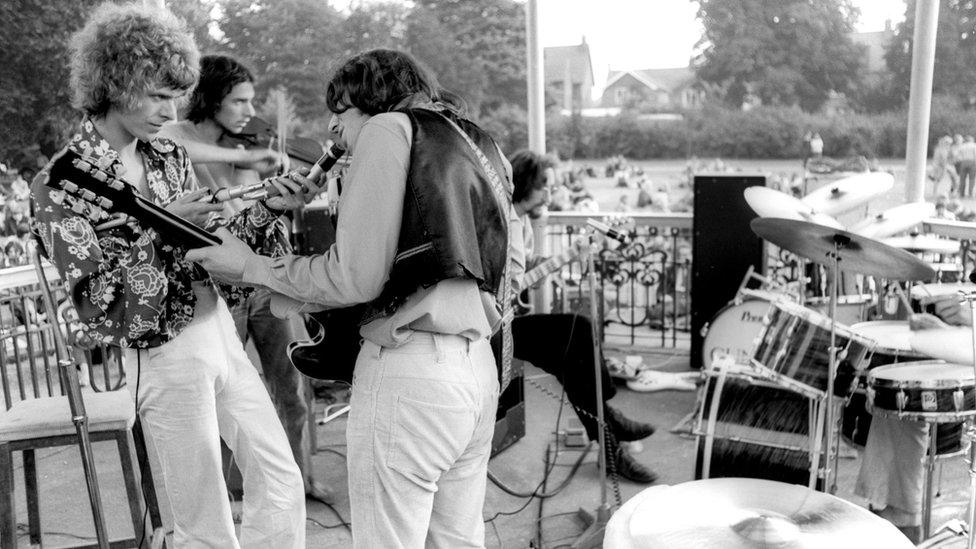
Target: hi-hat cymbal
[745, 513]
[924, 243]
[768, 202]
[894, 220]
[848, 193]
[856, 253]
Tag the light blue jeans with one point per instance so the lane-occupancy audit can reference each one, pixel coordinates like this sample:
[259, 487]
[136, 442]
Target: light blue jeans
[419, 437]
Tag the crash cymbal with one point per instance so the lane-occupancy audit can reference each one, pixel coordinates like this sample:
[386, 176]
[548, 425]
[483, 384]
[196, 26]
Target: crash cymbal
[894, 220]
[924, 244]
[768, 202]
[848, 193]
[856, 253]
[745, 513]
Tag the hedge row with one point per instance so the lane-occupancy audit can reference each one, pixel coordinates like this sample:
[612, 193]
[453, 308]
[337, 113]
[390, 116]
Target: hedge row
[764, 132]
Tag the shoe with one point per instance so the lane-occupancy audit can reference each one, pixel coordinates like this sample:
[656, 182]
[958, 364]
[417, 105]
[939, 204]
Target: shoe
[318, 492]
[627, 467]
[625, 429]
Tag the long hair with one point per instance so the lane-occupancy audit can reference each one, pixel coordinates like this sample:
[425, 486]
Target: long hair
[382, 80]
[123, 51]
[528, 173]
[218, 76]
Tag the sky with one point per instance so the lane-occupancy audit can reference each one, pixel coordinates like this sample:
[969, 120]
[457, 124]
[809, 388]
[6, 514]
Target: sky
[652, 34]
[647, 34]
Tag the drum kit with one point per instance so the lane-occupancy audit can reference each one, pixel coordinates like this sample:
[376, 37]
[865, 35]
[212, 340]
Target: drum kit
[876, 367]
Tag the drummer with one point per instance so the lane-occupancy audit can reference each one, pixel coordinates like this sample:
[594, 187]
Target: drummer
[892, 473]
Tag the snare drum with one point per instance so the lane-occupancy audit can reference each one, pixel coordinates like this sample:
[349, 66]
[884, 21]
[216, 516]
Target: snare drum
[733, 330]
[928, 390]
[794, 349]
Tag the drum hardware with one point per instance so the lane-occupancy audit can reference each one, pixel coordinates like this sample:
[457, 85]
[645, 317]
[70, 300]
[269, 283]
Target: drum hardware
[69, 376]
[831, 246]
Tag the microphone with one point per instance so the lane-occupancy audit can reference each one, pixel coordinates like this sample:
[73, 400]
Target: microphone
[609, 231]
[260, 191]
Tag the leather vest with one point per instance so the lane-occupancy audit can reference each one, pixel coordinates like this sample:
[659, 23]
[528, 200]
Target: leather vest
[452, 225]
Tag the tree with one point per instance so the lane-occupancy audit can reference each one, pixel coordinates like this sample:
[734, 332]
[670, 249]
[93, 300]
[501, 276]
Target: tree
[34, 96]
[955, 52]
[783, 52]
[475, 47]
[289, 43]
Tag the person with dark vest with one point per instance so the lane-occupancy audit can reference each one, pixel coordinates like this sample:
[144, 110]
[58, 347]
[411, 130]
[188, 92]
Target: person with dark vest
[421, 240]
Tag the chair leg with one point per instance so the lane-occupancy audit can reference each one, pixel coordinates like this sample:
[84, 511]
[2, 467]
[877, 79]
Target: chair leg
[33, 496]
[145, 473]
[131, 488]
[8, 524]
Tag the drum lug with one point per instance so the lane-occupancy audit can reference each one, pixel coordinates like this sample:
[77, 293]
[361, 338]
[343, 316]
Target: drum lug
[704, 329]
[958, 399]
[901, 400]
[870, 399]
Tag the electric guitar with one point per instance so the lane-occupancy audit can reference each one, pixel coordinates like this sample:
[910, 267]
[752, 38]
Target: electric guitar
[330, 352]
[99, 194]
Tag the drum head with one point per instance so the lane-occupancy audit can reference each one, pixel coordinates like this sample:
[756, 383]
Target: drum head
[733, 331]
[923, 373]
[890, 334]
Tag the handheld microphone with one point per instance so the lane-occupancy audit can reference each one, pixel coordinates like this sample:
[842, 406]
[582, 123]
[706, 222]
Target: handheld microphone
[609, 231]
[260, 191]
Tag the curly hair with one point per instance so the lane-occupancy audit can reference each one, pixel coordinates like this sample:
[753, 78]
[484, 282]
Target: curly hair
[528, 172]
[382, 80]
[218, 76]
[123, 51]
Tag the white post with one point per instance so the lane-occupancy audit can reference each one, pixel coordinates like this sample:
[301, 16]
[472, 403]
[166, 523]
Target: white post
[536, 84]
[541, 297]
[920, 98]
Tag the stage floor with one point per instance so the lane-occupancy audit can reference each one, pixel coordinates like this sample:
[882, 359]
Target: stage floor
[66, 518]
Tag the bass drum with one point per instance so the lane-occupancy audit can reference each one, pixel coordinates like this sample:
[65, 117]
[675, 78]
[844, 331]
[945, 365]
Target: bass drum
[734, 329]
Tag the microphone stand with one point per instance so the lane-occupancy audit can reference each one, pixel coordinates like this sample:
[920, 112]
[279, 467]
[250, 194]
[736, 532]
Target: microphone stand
[592, 537]
[69, 376]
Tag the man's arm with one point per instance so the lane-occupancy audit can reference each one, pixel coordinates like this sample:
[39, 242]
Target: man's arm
[118, 286]
[356, 267]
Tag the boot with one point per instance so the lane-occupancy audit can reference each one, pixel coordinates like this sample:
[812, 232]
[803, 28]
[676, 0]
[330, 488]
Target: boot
[625, 429]
[627, 467]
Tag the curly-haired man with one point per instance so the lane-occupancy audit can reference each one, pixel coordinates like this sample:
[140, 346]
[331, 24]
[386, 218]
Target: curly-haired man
[191, 379]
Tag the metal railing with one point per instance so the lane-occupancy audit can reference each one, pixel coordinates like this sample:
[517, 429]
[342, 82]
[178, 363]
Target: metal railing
[644, 285]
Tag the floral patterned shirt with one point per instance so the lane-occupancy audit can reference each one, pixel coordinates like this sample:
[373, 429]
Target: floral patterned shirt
[130, 286]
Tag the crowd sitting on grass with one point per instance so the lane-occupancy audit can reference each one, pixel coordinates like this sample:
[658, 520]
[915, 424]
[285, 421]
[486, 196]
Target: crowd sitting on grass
[14, 215]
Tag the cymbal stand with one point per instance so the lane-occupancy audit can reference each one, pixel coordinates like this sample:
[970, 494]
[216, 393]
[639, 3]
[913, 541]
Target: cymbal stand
[970, 297]
[69, 376]
[840, 241]
[592, 537]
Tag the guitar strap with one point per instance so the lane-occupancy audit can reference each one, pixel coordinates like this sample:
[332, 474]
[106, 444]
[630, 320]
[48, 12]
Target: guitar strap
[503, 302]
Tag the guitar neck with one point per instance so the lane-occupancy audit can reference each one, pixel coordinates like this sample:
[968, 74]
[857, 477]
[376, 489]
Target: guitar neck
[167, 223]
[548, 267]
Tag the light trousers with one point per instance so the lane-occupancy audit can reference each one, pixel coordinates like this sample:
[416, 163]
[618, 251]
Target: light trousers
[892, 472]
[193, 391]
[419, 436]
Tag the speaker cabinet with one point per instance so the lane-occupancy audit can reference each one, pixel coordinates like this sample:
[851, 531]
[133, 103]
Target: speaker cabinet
[723, 247]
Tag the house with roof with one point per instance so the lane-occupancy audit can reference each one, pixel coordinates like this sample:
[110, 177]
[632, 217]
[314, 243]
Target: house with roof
[652, 90]
[568, 74]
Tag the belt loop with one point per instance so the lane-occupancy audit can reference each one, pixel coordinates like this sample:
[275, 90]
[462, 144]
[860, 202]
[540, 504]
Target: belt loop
[438, 348]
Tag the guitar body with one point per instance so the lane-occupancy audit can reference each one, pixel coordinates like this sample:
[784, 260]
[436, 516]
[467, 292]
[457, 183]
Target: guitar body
[330, 355]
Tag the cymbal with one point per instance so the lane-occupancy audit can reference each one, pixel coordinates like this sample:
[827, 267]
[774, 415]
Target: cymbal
[768, 202]
[894, 220]
[848, 193]
[856, 254]
[745, 513]
[924, 243]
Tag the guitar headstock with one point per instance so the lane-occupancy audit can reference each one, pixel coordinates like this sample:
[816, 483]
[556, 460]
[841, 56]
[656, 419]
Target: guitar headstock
[95, 193]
